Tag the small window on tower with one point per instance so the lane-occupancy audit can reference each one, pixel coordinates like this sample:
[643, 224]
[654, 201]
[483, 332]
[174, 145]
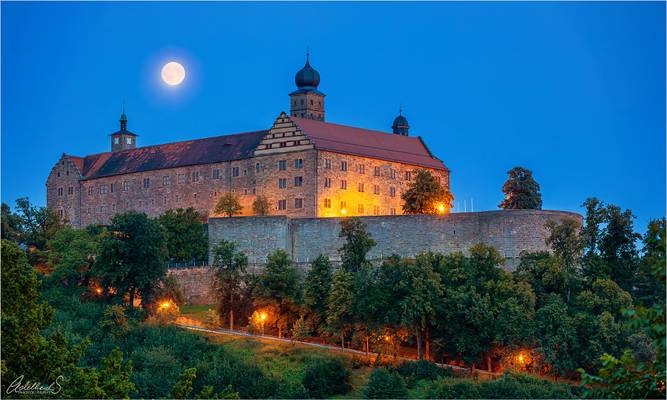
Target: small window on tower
[128, 140]
[116, 140]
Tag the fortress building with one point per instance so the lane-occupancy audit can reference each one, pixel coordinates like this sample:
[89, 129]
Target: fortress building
[305, 167]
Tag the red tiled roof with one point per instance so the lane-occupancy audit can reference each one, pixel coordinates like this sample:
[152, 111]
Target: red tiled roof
[170, 155]
[367, 143]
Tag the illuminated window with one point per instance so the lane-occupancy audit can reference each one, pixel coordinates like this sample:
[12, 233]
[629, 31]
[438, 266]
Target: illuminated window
[282, 204]
[343, 165]
[103, 189]
[90, 190]
[128, 140]
[216, 173]
[327, 203]
[376, 210]
[298, 163]
[298, 181]
[282, 165]
[392, 211]
[343, 205]
[362, 169]
[235, 172]
[327, 182]
[343, 184]
[360, 208]
[376, 171]
[392, 191]
[126, 186]
[282, 183]
[298, 203]
[116, 140]
[360, 187]
[166, 180]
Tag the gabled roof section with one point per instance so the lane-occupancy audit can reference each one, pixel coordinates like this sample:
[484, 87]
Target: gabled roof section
[367, 143]
[171, 155]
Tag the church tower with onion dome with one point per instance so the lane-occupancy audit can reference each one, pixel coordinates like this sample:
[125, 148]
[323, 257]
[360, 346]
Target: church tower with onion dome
[307, 102]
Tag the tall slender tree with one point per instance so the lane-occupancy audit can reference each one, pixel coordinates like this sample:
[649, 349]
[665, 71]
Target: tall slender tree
[229, 266]
[358, 242]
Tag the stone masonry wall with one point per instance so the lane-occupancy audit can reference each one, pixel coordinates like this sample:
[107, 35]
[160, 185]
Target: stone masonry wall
[510, 231]
[195, 284]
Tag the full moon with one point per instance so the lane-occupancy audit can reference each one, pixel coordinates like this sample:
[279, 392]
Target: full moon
[173, 73]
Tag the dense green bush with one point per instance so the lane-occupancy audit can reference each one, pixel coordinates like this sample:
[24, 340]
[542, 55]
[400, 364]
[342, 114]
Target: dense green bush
[385, 384]
[413, 371]
[509, 386]
[327, 377]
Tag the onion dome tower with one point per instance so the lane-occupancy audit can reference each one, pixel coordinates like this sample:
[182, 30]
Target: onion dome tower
[123, 139]
[400, 125]
[307, 101]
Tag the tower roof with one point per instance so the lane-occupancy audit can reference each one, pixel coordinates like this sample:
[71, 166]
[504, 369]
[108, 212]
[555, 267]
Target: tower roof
[400, 125]
[307, 77]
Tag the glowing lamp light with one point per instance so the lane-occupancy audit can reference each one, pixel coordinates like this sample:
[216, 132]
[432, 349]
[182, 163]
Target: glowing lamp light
[164, 305]
[262, 316]
[441, 208]
[386, 338]
[98, 291]
[343, 211]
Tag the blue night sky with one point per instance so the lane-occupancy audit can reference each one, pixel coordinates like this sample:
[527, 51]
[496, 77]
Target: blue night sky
[573, 91]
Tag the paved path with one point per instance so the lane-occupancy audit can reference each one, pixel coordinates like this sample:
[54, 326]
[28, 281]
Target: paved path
[318, 345]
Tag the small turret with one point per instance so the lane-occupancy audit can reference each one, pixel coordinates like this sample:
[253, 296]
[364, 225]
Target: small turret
[123, 139]
[400, 125]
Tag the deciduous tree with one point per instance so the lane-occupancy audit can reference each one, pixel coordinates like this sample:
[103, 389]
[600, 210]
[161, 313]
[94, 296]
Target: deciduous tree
[358, 242]
[521, 191]
[184, 233]
[317, 287]
[425, 195]
[278, 289]
[228, 205]
[261, 206]
[229, 277]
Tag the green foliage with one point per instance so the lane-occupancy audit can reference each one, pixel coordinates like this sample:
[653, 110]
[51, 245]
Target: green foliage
[325, 378]
[521, 191]
[453, 389]
[425, 195]
[300, 329]
[131, 256]
[278, 289]
[340, 311]
[183, 387]
[385, 384]
[11, 224]
[316, 289]
[260, 206]
[115, 321]
[72, 253]
[358, 243]
[170, 289]
[414, 371]
[184, 234]
[111, 382]
[229, 266]
[228, 205]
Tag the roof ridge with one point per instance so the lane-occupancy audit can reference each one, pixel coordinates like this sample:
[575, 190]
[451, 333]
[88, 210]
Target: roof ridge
[353, 127]
[379, 148]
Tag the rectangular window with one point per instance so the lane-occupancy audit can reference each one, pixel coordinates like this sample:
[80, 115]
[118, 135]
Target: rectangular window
[195, 176]
[257, 167]
[216, 173]
[282, 165]
[60, 191]
[70, 190]
[103, 189]
[298, 163]
[327, 182]
[392, 211]
[61, 213]
[343, 184]
[392, 173]
[245, 172]
[360, 208]
[182, 178]
[392, 191]
[90, 190]
[360, 187]
[362, 169]
[147, 183]
[408, 175]
[126, 186]
[376, 171]
[298, 203]
[343, 206]
[282, 183]
[376, 189]
[282, 204]
[327, 164]
[327, 203]
[128, 140]
[376, 210]
[113, 207]
[298, 181]
[166, 180]
[343, 165]
[116, 140]
[235, 172]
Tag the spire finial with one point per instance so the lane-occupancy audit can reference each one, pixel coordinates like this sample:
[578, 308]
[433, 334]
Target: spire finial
[307, 54]
[400, 109]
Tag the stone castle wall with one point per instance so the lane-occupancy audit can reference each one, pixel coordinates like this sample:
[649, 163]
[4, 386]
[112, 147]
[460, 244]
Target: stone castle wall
[510, 231]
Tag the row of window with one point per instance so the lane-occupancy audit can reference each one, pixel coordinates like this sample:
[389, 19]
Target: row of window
[298, 203]
[360, 207]
[361, 168]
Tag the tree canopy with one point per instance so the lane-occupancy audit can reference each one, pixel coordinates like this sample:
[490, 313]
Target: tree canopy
[521, 191]
[425, 195]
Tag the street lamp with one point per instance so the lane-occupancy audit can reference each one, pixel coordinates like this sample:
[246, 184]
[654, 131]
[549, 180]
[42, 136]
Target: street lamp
[262, 318]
